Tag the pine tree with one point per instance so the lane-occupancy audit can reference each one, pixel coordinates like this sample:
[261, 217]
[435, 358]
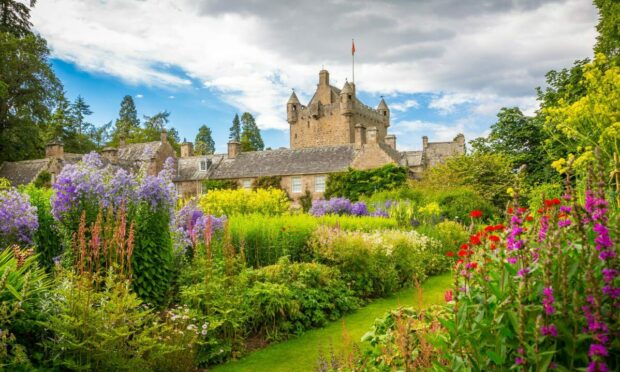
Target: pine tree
[15, 17]
[251, 139]
[80, 110]
[235, 130]
[204, 141]
[127, 122]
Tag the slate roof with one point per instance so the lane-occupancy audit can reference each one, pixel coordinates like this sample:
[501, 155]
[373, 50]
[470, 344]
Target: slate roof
[138, 151]
[189, 167]
[315, 160]
[414, 158]
[22, 172]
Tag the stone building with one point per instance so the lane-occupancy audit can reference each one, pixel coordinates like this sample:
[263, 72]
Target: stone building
[333, 133]
[148, 155]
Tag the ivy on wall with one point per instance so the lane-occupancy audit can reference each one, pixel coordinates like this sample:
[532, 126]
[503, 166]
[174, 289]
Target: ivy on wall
[353, 183]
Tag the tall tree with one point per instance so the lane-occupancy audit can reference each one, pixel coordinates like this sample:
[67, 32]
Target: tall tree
[80, 110]
[28, 91]
[127, 122]
[251, 139]
[235, 129]
[101, 135]
[15, 17]
[204, 144]
[608, 39]
[157, 122]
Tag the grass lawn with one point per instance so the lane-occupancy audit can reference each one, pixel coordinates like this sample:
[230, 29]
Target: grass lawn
[301, 353]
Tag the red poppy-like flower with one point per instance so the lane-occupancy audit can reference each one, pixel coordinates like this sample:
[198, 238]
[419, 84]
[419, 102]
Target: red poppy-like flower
[489, 228]
[529, 218]
[522, 209]
[464, 246]
[493, 246]
[540, 211]
[476, 213]
[494, 238]
[450, 254]
[499, 227]
[475, 240]
[462, 253]
[473, 265]
[459, 262]
[510, 210]
[448, 296]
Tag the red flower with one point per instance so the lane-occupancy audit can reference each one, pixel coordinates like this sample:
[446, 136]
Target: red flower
[522, 209]
[494, 238]
[489, 228]
[473, 265]
[540, 211]
[448, 296]
[475, 213]
[462, 253]
[493, 246]
[450, 254]
[459, 262]
[464, 246]
[499, 227]
[529, 218]
[510, 210]
[475, 240]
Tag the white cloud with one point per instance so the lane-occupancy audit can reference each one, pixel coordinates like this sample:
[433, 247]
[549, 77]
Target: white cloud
[139, 96]
[252, 53]
[404, 106]
[171, 97]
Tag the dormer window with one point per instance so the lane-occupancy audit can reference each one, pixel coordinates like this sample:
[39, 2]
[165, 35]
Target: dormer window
[203, 165]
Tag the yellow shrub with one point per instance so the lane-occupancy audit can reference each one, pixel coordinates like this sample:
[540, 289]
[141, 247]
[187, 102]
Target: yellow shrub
[231, 202]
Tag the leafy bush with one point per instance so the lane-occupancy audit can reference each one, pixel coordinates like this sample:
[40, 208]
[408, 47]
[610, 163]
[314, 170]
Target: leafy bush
[230, 202]
[209, 185]
[306, 201]
[456, 203]
[354, 184]
[537, 195]
[23, 285]
[47, 237]
[43, 180]
[99, 324]
[376, 264]
[450, 234]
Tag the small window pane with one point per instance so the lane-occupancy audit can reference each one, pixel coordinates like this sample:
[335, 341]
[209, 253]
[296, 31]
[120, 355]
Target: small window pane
[247, 184]
[296, 184]
[203, 165]
[319, 184]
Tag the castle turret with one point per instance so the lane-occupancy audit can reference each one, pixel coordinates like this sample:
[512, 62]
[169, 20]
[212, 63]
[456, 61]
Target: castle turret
[292, 109]
[347, 97]
[384, 111]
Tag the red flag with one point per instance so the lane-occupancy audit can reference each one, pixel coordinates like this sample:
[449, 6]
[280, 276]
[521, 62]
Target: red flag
[352, 46]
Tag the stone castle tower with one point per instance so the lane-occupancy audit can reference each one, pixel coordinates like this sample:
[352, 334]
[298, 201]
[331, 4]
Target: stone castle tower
[336, 117]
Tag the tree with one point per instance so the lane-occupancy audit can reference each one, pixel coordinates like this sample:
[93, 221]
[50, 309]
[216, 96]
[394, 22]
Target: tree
[80, 110]
[102, 134]
[127, 123]
[15, 17]
[251, 139]
[28, 90]
[235, 130]
[521, 139]
[608, 39]
[204, 141]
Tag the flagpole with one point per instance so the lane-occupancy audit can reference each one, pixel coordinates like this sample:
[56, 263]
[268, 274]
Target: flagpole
[353, 61]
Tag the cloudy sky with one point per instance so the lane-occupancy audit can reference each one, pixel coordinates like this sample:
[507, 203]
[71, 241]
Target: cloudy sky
[444, 66]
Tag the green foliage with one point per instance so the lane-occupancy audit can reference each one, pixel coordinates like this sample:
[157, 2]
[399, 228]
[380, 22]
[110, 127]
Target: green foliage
[251, 139]
[152, 255]
[235, 129]
[354, 184]
[306, 201]
[412, 194]
[521, 140]
[23, 285]
[15, 17]
[127, 123]
[450, 234]
[28, 88]
[488, 175]
[536, 195]
[99, 324]
[266, 182]
[43, 180]
[47, 238]
[219, 185]
[204, 143]
[608, 39]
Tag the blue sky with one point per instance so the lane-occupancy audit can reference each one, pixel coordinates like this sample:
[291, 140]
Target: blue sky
[445, 67]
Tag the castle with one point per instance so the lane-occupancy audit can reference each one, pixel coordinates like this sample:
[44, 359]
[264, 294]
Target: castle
[333, 133]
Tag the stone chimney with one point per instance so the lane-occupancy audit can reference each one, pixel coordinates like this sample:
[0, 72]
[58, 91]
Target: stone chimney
[234, 148]
[111, 154]
[360, 134]
[371, 135]
[390, 140]
[424, 142]
[324, 78]
[54, 149]
[187, 149]
[164, 136]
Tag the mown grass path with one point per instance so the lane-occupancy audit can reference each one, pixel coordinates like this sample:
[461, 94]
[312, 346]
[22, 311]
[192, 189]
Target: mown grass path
[301, 353]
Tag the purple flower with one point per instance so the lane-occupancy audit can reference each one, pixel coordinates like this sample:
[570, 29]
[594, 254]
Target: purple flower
[340, 206]
[597, 350]
[564, 223]
[190, 224]
[18, 219]
[319, 208]
[359, 209]
[544, 226]
[519, 361]
[550, 330]
[548, 300]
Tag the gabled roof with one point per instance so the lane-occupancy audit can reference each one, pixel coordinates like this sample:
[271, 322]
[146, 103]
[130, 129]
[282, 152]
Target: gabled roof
[315, 160]
[138, 151]
[23, 172]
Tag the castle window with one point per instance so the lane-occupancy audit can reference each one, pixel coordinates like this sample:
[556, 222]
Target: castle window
[384, 113]
[247, 184]
[319, 184]
[296, 185]
[350, 97]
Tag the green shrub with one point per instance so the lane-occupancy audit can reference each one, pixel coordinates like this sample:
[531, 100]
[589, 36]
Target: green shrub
[152, 255]
[47, 237]
[267, 182]
[354, 184]
[99, 324]
[537, 194]
[450, 234]
[402, 193]
[208, 185]
[43, 180]
[306, 201]
[457, 203]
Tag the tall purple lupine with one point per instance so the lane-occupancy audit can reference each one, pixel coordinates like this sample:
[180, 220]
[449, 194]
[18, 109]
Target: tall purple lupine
[190, 224]
[18, 219]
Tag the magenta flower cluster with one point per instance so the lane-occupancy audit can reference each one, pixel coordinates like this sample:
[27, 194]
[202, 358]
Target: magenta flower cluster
[18, 219]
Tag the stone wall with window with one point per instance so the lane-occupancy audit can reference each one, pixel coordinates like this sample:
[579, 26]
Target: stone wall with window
[297, 185]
